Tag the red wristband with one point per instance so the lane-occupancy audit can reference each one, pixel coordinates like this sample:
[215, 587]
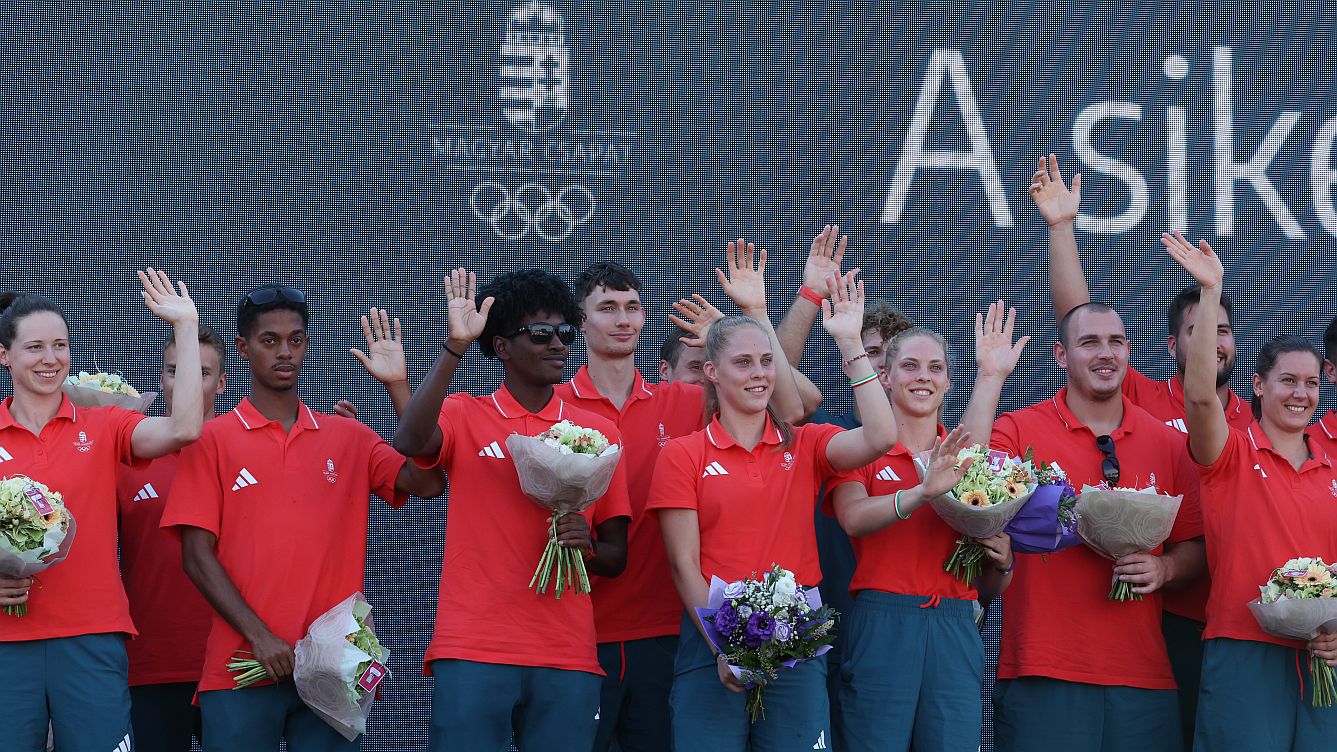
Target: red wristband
[808, 294]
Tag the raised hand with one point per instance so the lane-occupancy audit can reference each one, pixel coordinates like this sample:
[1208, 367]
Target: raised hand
[464, 318]
[842, 314]
[745, 281]
[165, 301]
[995, 353]
[345, 409]
[824, 259]
[943, 471]
[1057, 203]
[1202, 262]
[384, 358]
[695, 316]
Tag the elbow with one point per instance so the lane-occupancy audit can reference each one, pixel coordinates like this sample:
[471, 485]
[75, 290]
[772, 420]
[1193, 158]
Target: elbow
[188, 432]
[407, 444]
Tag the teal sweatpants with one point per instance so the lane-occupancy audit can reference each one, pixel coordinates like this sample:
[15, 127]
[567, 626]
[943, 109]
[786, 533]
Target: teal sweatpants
[476, 706]
[1038, 713]
[911, 675]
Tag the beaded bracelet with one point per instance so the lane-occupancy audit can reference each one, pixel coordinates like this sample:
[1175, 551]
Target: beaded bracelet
[855, 359]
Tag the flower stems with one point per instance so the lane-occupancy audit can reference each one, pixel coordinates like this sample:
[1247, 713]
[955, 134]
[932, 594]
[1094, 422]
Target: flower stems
[1322, 675]
[19, 610]
[1123, 591]
[964, 563]
[756, 708]
[560, 566]
[246, 671]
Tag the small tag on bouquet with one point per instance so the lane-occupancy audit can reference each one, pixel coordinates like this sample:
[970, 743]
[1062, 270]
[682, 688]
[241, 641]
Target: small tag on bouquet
[38, 500]
[996, 460]
[372, 677]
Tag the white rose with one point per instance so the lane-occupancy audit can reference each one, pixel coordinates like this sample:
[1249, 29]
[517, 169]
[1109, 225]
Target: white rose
[785, 588]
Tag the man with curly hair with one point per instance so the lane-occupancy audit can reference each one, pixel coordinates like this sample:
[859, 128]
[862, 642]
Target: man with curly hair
[504, 659]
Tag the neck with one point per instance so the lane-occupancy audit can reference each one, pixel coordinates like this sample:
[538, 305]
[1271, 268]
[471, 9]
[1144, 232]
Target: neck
[275, 405]
[613, 376]
[532, 397]
[34, 411]
[1292, 445]
[917, 433]
[1101, 416]
[745, 428]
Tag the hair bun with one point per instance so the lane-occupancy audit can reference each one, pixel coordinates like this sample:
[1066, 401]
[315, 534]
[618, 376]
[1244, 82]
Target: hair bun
[7, 299]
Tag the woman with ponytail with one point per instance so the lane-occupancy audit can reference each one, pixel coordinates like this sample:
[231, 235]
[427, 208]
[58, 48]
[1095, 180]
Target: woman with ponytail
[1269, 496]
[65, 658]
[736, 498]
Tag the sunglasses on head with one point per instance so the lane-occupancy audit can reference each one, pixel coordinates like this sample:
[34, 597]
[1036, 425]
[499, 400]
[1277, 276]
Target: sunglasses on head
[541, 334]
[270, 293]
[1109, 467]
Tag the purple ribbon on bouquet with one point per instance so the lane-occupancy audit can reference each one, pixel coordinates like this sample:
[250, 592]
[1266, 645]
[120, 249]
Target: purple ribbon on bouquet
[716, 600]
[1038, 528]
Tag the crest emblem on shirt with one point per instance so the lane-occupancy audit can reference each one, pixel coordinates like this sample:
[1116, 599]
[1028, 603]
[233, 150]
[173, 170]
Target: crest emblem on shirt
[83, 444]
[1152, 482]
[330, 474]
[1334, 489]
[663, 436]
[788, 464]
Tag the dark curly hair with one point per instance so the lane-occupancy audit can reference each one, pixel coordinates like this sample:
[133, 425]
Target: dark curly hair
[888, 321]
[520, 294]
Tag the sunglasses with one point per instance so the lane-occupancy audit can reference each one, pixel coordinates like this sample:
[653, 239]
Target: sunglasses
[270, 293]
[541, 334]
[1109, 467]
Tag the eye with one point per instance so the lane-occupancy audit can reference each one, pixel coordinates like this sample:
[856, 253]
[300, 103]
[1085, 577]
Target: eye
[937, 367]
[766, 361]
[694, 367]
[634, 307]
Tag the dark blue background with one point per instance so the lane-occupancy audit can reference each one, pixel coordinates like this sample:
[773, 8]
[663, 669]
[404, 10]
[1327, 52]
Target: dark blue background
[236, 144]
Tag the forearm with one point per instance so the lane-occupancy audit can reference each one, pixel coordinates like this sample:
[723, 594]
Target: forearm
[1200, 370]
[420, 482]
[188, 396]
[983, 409]
[795, 328]
[785, 398]
[418, 430]
[203, 568]
[610, 556]
[810, 397]
[1184, 562]
[1067, 282]
[400, 394]
[879, 423]
[991, 582]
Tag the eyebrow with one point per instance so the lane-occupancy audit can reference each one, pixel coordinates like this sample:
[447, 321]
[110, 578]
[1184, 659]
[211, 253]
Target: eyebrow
[276, 334]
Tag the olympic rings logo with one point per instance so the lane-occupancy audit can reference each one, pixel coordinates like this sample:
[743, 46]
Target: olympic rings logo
[532, 208]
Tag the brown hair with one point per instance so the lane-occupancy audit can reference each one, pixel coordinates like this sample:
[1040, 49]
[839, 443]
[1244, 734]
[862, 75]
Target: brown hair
[716, 340]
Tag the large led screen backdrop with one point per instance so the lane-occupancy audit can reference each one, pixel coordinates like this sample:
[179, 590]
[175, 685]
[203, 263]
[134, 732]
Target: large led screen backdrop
[360, 149]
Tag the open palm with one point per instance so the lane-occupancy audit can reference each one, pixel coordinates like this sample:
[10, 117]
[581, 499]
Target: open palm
[745, 280]
[384, 358]
[1202, 262]
[173, 305]
[464, 318]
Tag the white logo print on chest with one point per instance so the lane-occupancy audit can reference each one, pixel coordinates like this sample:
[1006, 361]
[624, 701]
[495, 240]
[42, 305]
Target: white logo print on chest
[83, 444]
[788, 464]
[663, 436]
[330, 474]
[1334, 489]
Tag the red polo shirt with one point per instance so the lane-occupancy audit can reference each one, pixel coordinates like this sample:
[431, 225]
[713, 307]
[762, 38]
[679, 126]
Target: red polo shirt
[1324, 433]
[1261, 513]
[907, 557]
[633, 605]
[1165, 401]
[1058, 621]
[172, 616]
[290, 512]
[495, 536]
[754, 508]
[78, 453]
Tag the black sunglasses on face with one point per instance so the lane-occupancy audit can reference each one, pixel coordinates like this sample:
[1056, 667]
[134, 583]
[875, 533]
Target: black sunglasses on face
[1109, 467]
[541, 334]
[271, 293]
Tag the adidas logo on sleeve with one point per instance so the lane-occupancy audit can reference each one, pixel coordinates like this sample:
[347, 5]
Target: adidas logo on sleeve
[492, 450]
[714, 468]
[147, 492]
[244, 479]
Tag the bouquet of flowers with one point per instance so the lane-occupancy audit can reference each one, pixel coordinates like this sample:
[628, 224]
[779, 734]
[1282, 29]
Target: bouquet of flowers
[1048, 521]
[764, 625]
[992, 492]
[36, 530]
[340, 663]
[565, 469]
[1298, 603]
[1117, 522]
[103, 389]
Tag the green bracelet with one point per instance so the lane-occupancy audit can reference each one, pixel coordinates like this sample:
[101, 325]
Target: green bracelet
[896, 503]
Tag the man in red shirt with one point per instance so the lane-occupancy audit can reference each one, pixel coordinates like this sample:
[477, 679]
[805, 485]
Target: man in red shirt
[1325, 430]
[638, 614]
[271, 507]
[172, 617]
[507, 660]
[1185, 609]
[679, 361]
[1078, 671]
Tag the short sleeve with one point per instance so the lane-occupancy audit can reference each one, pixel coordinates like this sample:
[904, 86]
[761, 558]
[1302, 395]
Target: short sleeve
[1188, 523]
[616, 501]
[452, 418]
[676, 475]
[383, 466]
[197, 494]
[1138, 388]
[1232, 456]
[123, 423]
[1006, 436]
[857, 475]
[816, 437]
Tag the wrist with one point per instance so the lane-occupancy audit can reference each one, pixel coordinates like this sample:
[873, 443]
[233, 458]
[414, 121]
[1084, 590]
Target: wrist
[1006, 570]
[811, 295]
[1067, 223]
[757, 312]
